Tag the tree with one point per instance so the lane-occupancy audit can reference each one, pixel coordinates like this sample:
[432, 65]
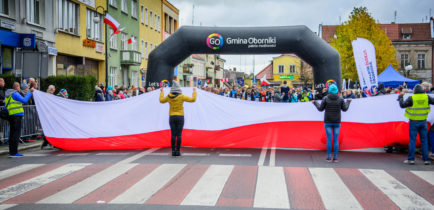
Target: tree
[362, 25]
[306, 74]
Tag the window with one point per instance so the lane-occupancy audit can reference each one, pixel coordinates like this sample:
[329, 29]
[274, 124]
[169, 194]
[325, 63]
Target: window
[150, 48]
[113, 76]
[134, 45]
[142, 49]
[124, 41]
[146, 50]
[420, 61]
[35, 11]
[281, 69]
[124, 6]
[146, 16]
[134, 9]
[4, 7]
[150, 19]
[406, 36]
[404, 61]
[142, 11]
[155, 21]
[113, 3]
[68, 12]
[159, 23]
[292, 69]
[113, 40]
[94, 30]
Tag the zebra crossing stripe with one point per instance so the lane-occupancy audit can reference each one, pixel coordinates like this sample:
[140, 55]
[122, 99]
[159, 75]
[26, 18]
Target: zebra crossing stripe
[401, 195]
[23, 187]
[207, 190]
[6, 206]
[271, 189]
[425, 175]
[334, 193]
[149, 185]
[88, 185]
[17, 170]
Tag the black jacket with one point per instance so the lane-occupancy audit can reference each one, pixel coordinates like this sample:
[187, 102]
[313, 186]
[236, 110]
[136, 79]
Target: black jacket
[332, 104]
[2, 97]
[409, 101]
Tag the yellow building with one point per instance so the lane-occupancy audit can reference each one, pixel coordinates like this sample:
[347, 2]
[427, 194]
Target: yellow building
[289, 67]
[150, 31]
[80, 38]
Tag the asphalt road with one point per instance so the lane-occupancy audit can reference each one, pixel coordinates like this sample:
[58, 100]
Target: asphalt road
[204, 178]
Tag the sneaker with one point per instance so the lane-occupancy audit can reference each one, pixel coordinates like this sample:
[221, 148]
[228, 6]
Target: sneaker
[410, 162]
[329, 160]
[427, 162]
[17, 155]
[335, 160]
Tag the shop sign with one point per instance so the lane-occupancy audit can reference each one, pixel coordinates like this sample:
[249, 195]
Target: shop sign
[89, 43]
[286, 76]
[52, 51]
[207, 80]
[88, 2]
[27, 40]
[99, 47]
[7, 24]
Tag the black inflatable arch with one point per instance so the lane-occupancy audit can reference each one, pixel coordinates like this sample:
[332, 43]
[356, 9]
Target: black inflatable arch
[299, 40]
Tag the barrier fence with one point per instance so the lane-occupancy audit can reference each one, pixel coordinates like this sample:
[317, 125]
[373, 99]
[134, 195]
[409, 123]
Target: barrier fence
[30, 125]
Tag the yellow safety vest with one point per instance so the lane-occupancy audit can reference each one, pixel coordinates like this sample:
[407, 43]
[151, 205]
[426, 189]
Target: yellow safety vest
[420, 108]
[14, 107]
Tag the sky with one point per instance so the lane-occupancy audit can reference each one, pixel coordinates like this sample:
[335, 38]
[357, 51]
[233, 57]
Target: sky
[243, 13]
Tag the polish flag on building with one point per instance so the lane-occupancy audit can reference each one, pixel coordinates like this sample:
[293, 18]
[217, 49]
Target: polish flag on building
[215, 121]
[264, 80]
[118, 31]
[131, 40]
[224, 79]
[109, 20]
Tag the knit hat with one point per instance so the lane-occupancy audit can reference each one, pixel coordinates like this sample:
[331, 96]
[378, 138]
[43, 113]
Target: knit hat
[110, 88]
[175, 88]
[333, 89]
[24, 86]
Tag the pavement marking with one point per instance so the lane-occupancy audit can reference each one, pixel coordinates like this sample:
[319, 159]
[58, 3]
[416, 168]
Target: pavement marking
[271, 189]
[149, 185]
[73, 154]
[25, 186]
[195, 154]
[263, 153]
[334, 193]
[17, 170]
[425, 175]
[207, 190]
[94, 182]
[88, 185]
[160, 154]
[113, 153]
[36, 155]
[402, 196]
[273, 152]
[235, 155]
[6, 206]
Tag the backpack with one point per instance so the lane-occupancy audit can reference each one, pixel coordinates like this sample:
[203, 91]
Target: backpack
[4, 113]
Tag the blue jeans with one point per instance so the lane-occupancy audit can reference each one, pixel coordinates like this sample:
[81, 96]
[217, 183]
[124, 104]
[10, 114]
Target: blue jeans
[332, 133]
[285, 101]
[421, 128]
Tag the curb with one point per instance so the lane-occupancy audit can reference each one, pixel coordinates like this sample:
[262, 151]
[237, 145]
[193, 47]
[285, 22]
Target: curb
[21, 147]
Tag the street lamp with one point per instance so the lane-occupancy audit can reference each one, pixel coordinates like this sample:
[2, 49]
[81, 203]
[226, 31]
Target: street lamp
[97, 20]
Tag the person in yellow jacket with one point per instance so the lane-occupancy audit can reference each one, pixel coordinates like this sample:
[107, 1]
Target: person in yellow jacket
[417, 107]
[176, 114]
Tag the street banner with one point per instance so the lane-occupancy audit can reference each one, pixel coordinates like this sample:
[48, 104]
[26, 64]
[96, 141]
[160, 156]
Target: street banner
[364, 56]
[215, 121]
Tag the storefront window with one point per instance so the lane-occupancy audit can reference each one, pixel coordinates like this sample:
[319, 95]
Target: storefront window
[69, 66]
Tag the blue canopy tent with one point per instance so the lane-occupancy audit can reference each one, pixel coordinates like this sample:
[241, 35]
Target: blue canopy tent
[391, 78]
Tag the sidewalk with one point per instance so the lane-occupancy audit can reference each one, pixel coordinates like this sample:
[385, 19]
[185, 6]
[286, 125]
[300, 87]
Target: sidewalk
[4, 148]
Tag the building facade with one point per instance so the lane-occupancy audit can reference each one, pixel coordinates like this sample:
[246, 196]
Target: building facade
[170, 19]
[289, 68]
[150, 32]
[80, 42]
[27, 37]
[413, 43]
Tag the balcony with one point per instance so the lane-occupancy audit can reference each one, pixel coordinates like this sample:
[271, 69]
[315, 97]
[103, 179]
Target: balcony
[130, 57]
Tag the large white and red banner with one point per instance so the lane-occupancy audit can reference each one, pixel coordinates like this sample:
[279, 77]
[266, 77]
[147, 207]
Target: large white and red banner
[215, 121]
[366, 63]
